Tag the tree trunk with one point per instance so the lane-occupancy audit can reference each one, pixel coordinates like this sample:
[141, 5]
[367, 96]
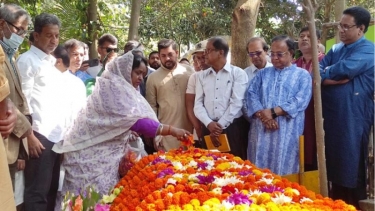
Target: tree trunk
[339, 8]
[326, 19]
[310, 12]
[134, 20]
[244, 20]
[92, 18]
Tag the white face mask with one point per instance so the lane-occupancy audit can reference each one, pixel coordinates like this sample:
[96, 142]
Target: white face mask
[14, 41]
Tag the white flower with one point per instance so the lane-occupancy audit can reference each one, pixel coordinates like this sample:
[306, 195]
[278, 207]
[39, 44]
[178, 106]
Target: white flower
[221, 182]
[210, 164]
[248, 167]
[223, 158]
[227, 173]
[304, 199]
[170, 181]
[177, 176]
[193, 163]
[162, 157]
[255, 192]
[178, 166]
[193, 177]
[295, 191]
[235, 165]
[281, 199]
[227, 205]
[170, 194]
[268, 181]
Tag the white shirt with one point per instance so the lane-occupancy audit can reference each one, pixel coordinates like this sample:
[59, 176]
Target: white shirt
[75, 97]
[42, 87]
[190, 89]
[219, 96]
[252, 70]
[93, 71]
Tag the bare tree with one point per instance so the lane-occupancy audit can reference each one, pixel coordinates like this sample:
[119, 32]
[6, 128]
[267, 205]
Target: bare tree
[134, 20]
[92, 18]
[310, 13]
[243, 26]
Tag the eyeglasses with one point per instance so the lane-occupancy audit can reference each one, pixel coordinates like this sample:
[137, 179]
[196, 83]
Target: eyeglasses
[278, 54]
[345, 27]
[112, 49]
[209, 50]
[20, 32]
[256, 53]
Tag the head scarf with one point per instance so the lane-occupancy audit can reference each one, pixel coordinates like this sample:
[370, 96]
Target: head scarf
[112, 109]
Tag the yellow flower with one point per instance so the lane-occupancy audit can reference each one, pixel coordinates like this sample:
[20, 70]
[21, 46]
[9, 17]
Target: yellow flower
[263, 198]
[195, 202]
[223, 166]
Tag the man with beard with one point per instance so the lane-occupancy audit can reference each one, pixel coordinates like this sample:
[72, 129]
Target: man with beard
[198, 55]
[165, 91]
[154, 60]
[43, 88]
[257, 49]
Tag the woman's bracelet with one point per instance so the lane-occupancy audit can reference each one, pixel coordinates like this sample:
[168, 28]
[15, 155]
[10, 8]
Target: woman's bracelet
[160, 129]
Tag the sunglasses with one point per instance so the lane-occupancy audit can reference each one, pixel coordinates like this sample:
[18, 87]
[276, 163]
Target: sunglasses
[277, 54]
[112, 50]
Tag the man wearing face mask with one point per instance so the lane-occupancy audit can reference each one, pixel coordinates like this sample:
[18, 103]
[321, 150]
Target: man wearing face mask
[14, 22]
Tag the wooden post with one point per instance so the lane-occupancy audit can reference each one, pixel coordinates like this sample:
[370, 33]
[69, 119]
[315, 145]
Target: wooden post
[134, 20]
[92, 14]
[310, 12]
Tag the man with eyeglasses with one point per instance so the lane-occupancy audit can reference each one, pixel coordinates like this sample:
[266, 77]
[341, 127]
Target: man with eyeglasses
[42, 86]
[257, 49]
[347, 73]
[14, 29]
[107, 43]
[220, 91]
[305, 62]
[277, 99]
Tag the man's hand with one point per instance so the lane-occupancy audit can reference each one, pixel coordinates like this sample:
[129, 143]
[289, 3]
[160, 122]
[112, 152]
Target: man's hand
[35, 147]
[7, 125]
[264, 115]
[271, 124]
[27, 133]
[198, 130]
[20, 164]
[215, 128]
[328, 82]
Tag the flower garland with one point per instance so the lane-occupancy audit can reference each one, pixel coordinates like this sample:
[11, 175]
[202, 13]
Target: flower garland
[198, 179]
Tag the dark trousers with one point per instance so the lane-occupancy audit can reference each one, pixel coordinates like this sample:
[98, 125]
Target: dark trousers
[42, 178]
[237, 134]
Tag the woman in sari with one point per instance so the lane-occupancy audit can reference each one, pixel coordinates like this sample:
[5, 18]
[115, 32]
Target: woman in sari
[99, 136]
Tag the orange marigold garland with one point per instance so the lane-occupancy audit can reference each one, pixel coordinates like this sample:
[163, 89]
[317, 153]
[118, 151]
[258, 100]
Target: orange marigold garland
[198, 179]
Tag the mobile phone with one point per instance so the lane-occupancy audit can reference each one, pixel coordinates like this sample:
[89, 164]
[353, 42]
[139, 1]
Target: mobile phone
[92, 62]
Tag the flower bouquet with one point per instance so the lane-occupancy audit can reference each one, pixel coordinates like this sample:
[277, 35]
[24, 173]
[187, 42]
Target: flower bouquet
[89, 200]
[196, 179]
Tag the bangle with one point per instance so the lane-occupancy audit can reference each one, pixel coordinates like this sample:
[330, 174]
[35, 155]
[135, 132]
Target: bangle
[160, 129]
[274, 115]
[169, 130]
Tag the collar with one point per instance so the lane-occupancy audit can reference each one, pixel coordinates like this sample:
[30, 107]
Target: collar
[8, 50]
[351, 45]
[286, 68]
[42, 55]
[227, 67]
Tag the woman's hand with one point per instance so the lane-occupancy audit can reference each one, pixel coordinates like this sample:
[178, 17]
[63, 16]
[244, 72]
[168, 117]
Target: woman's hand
[180, 134]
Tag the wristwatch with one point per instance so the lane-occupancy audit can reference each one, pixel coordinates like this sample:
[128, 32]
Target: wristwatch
[274, 115]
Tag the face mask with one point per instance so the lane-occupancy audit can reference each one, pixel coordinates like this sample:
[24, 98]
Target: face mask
[14, 41]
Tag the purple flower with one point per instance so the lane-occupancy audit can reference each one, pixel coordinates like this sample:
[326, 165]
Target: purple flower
[215, 157]
[102, 207]
[244, 173]
[165, 172]
[202, 165]
[271, 189]
[205, 179]
[160, 160]
[239, 198]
